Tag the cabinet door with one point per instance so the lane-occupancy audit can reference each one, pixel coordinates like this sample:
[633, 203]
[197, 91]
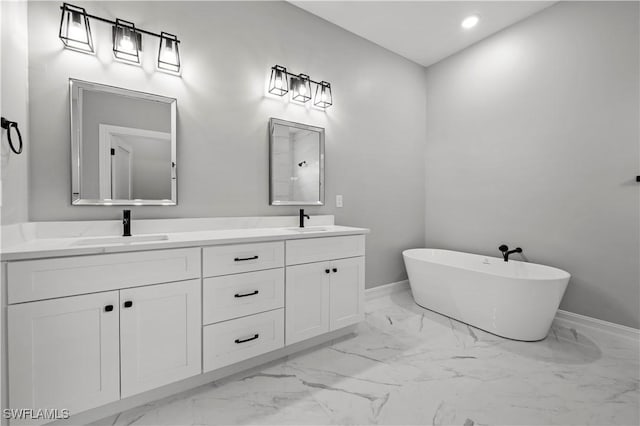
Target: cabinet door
[64, 353]
[306, 301]
[346, 305]
[160, 338]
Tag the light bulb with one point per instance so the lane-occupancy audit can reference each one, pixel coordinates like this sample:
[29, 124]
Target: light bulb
[279, 82]
[126, 43]
[470, 22]
[302, 89]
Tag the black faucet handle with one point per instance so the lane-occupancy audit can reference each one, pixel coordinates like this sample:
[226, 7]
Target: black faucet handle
[126, 223]
[504, 248]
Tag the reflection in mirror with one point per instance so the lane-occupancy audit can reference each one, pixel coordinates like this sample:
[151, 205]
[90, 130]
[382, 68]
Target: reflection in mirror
[123, 146]
[297, 163]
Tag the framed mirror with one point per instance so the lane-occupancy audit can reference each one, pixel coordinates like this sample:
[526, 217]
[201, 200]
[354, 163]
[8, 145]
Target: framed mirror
[123, 146]
[296, 159]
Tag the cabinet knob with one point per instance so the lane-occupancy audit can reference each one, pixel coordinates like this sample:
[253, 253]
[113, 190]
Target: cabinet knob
[128, 304]
[108, 308]
[335, 269]
[326, 271]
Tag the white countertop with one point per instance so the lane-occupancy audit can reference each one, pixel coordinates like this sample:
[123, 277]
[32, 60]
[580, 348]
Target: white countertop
[38, 248]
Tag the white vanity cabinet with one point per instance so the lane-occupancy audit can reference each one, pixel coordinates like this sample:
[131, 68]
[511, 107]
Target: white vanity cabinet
[89, 330]
[83, 351]
[64, 353]
[326, 295]
[243, 302]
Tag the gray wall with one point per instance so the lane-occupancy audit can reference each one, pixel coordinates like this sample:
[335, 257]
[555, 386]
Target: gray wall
[375, 133]
[532, 140]
[14, 107]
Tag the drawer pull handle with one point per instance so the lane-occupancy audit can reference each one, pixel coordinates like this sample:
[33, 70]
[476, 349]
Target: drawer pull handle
[335, 269]
[326, 271]
[255, 336]
[253, 293]
[240, 259]
[108, 308]
[128, 304]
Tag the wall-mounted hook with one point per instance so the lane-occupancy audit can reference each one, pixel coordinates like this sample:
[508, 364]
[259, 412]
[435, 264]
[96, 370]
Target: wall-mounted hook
[8, 125]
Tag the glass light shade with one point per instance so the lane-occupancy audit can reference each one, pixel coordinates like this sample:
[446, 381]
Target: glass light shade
[168, 53]
[323, 97]
[75, 31]
[301, 88]
[127, 42]
[278, 83]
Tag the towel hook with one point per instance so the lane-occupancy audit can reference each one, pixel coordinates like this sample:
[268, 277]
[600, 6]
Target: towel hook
[6, 124]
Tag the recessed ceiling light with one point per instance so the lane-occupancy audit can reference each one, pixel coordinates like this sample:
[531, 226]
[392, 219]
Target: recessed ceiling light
[470, 21]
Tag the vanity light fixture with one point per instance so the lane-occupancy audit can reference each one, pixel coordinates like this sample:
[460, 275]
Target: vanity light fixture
[278, 83]
[168, 54]
[75, 33]
[281, 80]
[301, 87]
[323, 99]
[127, 42]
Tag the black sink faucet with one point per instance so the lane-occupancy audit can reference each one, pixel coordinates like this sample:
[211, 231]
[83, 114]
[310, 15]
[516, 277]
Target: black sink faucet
[506, 252]
[302, 216]
[126, 223]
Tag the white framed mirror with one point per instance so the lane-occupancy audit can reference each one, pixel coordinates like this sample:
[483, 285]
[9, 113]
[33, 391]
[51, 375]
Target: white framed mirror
[296, 163]
[123, 146]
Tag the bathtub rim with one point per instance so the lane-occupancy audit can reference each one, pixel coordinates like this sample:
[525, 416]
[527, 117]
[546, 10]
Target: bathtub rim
[560, 274]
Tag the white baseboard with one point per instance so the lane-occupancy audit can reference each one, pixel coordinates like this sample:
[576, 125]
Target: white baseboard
[577, 321]
[564, 318]
[386, 289]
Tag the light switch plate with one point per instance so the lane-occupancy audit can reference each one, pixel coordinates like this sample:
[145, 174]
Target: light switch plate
[338, 200]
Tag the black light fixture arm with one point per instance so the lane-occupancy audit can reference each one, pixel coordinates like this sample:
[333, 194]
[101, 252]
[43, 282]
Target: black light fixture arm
[109, 21]
[298, 76]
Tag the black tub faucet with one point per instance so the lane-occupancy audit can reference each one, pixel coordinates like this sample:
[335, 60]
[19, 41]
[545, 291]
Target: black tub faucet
[126, 223]
[302, 216]
[506, 252]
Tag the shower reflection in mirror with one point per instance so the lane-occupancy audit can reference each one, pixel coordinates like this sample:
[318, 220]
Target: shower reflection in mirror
[297, 163]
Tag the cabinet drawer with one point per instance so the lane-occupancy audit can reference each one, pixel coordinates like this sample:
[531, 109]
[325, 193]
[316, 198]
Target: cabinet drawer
[49, 278]
[233, 296]
[233, 341]
[320, 249]
[224, 260]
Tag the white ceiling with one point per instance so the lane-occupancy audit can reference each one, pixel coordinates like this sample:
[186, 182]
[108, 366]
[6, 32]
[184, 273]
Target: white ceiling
[422, 31]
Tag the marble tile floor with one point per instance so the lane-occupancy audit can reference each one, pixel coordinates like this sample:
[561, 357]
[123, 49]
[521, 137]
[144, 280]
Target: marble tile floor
[407, 365]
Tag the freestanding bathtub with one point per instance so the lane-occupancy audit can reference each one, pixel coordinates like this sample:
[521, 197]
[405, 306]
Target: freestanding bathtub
[513, 299]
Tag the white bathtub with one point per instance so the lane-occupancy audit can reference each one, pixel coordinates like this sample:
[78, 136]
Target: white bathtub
[513, 299]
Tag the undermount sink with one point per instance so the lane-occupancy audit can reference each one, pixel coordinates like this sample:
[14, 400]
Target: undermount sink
[309, 229]
[120, 240]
